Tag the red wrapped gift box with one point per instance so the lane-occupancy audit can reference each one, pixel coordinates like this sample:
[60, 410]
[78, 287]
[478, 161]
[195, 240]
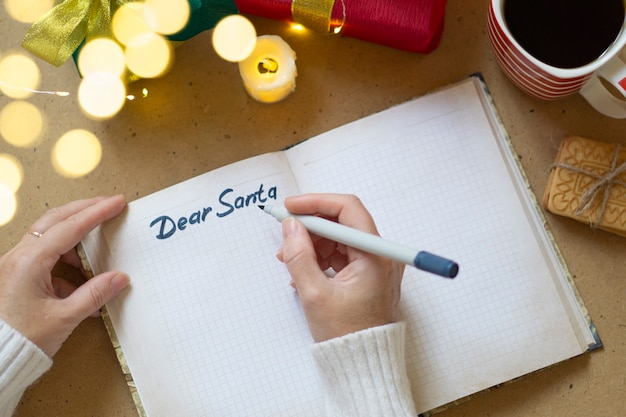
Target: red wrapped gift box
[411, 25]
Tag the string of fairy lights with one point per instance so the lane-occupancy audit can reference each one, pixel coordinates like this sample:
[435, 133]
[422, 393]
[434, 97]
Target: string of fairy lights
[138, 49]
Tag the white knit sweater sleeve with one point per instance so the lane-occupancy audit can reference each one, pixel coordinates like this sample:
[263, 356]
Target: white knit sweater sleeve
[364, 373]
[21, 364]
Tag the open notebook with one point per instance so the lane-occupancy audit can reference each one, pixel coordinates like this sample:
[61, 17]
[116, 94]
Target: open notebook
[211, 326]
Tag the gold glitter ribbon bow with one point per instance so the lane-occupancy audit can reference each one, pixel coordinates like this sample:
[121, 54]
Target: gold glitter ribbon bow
[61, 31]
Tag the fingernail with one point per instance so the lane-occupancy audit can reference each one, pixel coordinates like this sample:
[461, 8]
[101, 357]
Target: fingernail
[119, 282]
[117, 197]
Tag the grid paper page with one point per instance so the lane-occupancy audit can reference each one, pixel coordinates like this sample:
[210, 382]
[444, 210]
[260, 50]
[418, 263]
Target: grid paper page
[211, 326]
[433, 178]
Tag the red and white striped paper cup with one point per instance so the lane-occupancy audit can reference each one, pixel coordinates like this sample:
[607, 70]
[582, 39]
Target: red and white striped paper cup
[547, 82]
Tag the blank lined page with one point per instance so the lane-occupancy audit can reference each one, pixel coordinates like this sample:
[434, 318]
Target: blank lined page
[211, 326]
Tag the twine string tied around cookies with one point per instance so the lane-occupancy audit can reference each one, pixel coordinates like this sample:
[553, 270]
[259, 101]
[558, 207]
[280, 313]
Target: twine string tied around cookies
[603, 184]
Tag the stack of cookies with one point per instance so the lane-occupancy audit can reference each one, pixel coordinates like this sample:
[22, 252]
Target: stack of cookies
[588, 183]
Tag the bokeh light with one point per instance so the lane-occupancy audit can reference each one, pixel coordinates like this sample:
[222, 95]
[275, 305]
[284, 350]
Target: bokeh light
[128, 22]
[27, 11]
[8, 204]
[19, 76]
[101, 95]
[167, 16]
[148, 55]
[234, 38]
[11, 172]
[101, 54]
[76, 153]
[21, 123]
[11, 177]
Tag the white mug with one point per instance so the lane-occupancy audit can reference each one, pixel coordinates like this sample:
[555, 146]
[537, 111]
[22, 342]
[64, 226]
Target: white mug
[548, 82]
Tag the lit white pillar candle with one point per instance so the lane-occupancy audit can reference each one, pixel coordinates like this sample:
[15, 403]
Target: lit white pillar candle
[269, 72]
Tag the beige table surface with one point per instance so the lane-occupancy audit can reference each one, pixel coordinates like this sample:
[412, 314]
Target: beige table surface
[198, 117]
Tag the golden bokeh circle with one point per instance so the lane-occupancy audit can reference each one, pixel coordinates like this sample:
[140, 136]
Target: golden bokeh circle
[27, 11]
[76, 153]
[11, 172]
[8, 204]
[19, 76]
[101, 95]
[128, 22]
[21, 123]
[101, 54]
[149, 55]
[234, 38]
[167, 17]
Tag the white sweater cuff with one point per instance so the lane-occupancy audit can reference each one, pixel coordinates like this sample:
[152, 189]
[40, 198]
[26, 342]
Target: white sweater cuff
[364, 373]
[21, 364]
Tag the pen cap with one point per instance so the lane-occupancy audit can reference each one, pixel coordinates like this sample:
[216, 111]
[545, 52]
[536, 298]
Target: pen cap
[429, 262]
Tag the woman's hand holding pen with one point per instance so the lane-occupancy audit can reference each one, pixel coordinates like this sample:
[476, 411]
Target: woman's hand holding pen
[364, 293]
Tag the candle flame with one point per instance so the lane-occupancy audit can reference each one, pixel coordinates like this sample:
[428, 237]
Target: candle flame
[268, 65]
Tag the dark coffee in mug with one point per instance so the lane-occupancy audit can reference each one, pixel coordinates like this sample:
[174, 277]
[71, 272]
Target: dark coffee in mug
[564, 33]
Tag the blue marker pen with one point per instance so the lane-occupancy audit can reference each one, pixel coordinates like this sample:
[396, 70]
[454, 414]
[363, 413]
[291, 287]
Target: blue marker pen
[370, 243]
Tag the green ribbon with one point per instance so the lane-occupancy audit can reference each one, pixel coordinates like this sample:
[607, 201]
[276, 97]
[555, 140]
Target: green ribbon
[59, 33]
